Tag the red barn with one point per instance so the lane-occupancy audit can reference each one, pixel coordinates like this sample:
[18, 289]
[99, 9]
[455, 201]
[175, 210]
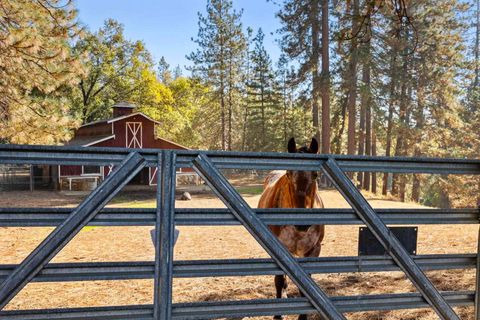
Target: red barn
[127, 129]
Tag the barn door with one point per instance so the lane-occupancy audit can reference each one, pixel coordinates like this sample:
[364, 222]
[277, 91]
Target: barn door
[134, 135]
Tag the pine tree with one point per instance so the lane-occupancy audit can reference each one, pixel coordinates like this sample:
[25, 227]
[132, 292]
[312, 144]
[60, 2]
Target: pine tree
[164, 72]
[247, 76]
[283, 79]
[300, 41]
[218, 60]
[352, 77]
[36, 66]
[262, 98]
[325, 87]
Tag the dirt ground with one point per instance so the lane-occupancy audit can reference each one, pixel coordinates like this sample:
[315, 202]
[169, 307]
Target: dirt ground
[134, 244]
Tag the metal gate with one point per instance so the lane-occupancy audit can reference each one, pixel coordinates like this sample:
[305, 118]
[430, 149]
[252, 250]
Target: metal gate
[128, 162]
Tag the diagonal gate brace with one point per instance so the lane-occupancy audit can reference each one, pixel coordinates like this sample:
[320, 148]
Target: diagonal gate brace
[391, 244]
[65, 232]
[259, 230]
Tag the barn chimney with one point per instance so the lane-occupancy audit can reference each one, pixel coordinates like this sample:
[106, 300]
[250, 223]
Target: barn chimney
[122, 109]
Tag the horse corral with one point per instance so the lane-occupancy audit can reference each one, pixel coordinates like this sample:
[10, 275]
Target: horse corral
[132, 285]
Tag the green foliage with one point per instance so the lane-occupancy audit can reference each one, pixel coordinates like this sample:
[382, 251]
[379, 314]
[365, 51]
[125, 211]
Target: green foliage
[115, 67]
[36, 63]
[263, 117]
[419, 78]
[155, 100]
[176, 106]
[218, 62]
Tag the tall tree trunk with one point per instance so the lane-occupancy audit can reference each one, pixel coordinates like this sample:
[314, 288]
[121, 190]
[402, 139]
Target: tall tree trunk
[284, 96]
[365, 115]
[391, 106]
[419, 119]
[245, 98]
[222, 104]
[400, 131]
[222, 94]
[401, 143]
[477, 44]
[352, 84]
[292, 120]
[325, 80]
[399, 147]
[230, 102]
[368, 112]
[374, 153]
[230, 115]
[361, 131]
[316, 85]
[262, 104]
[405, 140]
[337, 141]
[305, 123]
[416, 181]
[244, 131]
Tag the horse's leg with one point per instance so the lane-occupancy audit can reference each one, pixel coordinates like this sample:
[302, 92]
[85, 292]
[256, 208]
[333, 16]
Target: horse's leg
[281, 287]
[315, 252]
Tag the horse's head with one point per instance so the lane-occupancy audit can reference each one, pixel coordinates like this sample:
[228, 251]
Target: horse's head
[303, 183]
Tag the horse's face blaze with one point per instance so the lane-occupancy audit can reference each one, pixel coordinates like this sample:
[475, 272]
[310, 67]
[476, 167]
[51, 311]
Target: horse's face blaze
[303, 182]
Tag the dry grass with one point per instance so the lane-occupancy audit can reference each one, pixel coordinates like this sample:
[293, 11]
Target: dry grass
[134, 244]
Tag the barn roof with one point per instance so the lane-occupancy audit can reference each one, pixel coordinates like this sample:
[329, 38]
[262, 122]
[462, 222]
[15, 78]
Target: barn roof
[111, 120]
[89, 140]
[92, 140]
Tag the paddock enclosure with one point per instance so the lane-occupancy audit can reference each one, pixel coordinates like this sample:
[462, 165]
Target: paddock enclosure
[239, 214]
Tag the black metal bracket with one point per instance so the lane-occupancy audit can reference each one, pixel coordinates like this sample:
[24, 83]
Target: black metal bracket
[368, 244]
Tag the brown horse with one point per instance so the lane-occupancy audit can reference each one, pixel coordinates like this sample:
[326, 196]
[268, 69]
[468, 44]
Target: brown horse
[294, 189]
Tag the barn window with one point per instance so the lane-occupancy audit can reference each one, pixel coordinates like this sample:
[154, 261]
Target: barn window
[93, 170]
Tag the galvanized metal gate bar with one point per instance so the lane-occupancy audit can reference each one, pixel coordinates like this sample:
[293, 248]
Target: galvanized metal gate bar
[66, 155]
[164, 236]
[388, 240]
[265, 238]
[59, 237]
[237, 309]
[90, 271]
[46, 217]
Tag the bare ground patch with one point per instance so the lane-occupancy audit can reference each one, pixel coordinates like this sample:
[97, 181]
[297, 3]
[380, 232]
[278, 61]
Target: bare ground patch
[134, 244]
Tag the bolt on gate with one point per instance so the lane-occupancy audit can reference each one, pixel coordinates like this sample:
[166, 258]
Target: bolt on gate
[128, 162]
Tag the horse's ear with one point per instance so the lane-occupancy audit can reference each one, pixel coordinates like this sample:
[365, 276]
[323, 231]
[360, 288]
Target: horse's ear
[313, 146]
[292, 145]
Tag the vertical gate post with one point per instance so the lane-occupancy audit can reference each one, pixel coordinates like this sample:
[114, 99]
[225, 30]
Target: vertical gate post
[164, 235]
[62, 234]
[388, 240]
[259, 230]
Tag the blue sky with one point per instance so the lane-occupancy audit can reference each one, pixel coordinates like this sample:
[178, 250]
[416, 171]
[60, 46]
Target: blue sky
[167, 27]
